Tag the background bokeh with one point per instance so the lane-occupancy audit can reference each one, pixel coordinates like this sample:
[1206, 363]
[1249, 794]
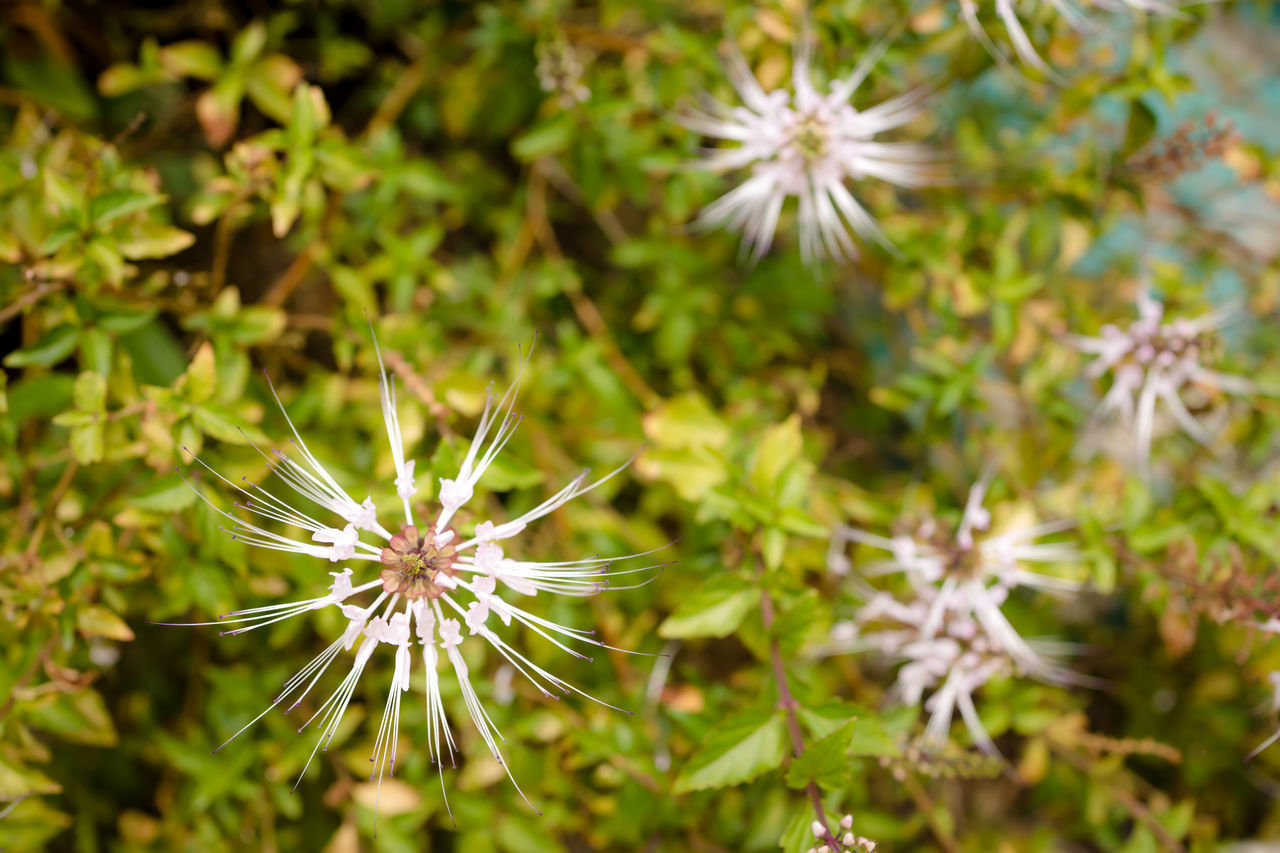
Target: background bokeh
[192, 193]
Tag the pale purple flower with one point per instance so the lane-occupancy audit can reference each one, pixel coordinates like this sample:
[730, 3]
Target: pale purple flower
[948, 632]
[1153, 364]
[414, 588]
[807, 145]
[1272, 704]
[1008, 13]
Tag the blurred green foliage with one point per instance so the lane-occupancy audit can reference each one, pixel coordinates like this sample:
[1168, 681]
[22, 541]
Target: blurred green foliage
[193, 192]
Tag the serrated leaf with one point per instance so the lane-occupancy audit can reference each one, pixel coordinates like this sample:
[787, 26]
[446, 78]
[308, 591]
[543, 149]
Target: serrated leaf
[736, 751]
[871, 737]
[824, 762]
[97, 621]
[714, 610]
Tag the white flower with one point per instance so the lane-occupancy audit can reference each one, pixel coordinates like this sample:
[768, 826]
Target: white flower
[807, 145]
[949, 632]
[847, 843]
[422, 577]
[1154, 362]
[1273, 704]
[1007, 11]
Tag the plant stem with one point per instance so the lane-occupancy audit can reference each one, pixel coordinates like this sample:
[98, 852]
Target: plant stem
[788, 704]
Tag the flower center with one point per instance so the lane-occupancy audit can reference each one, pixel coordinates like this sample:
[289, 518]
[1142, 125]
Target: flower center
[809, 137]
[412, 564]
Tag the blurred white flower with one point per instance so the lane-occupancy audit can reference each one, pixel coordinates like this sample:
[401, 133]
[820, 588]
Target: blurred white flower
[808, 145]
[1154, 363]
[431, 586]
[1008, 13]
[1273, 704]
[949, 632]
[560, 70]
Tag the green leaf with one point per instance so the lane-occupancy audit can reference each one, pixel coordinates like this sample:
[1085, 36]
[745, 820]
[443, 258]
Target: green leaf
[715, 610]
[736, 751]
[18, 781]
[550, 137]
[90, 392]
[872, 737]
[79, 717]
[201, 378]
[109, 207]
[686, 421]
[48, 351]
[97, 621]
[88, 443]
[216, 422]
[95, 350]
[1140, 128]
[191, 59]
[168, 494]
[825, 762]
[156, 241]
[779, 447]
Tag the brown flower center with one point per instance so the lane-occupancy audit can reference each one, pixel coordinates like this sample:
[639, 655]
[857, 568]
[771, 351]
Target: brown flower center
[412, 564]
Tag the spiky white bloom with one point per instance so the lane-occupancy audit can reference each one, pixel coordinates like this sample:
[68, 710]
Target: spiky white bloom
[807, 145]
[1008, 13]
[433, 588]
[1155, 362]
[950, 633]
[1273, 704]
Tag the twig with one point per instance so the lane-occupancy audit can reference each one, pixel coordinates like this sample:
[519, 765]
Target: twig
[1132, 804]
[415, 383]
[31, 297]
[788, 704]
[925, 805]
[397, 99]
[560, 179]
[586, 310]
[292, 276]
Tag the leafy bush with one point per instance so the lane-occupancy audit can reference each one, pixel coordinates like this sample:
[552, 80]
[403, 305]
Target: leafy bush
[192, 194]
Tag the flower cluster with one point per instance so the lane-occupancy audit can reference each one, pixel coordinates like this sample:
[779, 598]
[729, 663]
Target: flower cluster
[847, 842]
[949, 632]
[559, 72]
[1157, 363]
[434, 588]
[808, 145]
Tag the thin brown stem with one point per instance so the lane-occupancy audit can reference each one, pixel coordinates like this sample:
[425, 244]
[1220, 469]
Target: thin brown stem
[925, 804]
[1131, 804]
[788, 705]
[26, 300]
[588, 314]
